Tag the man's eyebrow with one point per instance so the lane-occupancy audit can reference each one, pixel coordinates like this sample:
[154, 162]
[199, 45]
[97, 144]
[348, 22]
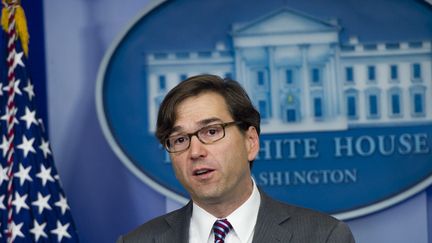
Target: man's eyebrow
[209, 120]
[201, 123]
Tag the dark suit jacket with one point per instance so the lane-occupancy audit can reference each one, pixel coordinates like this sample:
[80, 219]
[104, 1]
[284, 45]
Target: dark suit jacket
[276, 222]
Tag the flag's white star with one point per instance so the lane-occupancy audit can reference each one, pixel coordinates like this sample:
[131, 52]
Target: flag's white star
[16, 230]
[4, 146]
[38, 230]
[19, 202]
[29, 117]
[42, 202]
[62, 204]
[16, 87]
[3, 174]
[23, 174]
[45, 175]
[2, 206]
[18, 59]
[61, 231]
[27, 145]
[45, 148]
[29, 89]
[1, 88]
[7, 115]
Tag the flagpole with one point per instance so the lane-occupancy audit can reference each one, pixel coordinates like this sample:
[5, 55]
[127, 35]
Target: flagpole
[10, 109]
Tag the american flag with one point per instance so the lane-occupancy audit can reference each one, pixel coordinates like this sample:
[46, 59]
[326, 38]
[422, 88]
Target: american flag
[33, 206]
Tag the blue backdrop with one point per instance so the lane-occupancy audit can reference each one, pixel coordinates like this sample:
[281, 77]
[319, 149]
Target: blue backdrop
[106, 198]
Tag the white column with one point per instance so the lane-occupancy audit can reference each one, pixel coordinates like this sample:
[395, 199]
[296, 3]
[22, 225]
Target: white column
[245, 74]
[274, 84]
[240, 72]
[306, 103]
[332, 88]
[339, 82]
[237, 63]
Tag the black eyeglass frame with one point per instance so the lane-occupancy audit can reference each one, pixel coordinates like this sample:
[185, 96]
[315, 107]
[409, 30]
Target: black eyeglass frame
[190, 135]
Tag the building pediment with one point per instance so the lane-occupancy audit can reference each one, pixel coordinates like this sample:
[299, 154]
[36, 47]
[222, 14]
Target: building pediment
[283, 21]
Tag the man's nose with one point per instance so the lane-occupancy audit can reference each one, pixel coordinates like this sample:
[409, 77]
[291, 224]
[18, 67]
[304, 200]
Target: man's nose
[197, 149]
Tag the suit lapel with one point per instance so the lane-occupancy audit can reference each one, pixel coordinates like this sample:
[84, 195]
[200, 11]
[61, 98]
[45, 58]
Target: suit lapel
[178, 226]
[268, 227]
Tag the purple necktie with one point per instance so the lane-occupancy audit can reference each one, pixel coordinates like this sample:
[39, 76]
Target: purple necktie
[220, 229]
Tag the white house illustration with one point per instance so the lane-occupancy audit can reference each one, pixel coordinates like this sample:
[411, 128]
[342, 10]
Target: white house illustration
[302, 78]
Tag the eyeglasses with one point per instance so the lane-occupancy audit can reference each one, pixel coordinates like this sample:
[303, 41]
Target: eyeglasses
[206, 135]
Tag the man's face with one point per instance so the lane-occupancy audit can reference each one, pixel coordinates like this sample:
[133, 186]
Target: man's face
[217, 172]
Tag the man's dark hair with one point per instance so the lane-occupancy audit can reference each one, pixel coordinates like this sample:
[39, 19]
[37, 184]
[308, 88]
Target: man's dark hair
[238, 102]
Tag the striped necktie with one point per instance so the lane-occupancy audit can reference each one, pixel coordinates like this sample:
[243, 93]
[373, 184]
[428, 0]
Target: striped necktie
[220, 229]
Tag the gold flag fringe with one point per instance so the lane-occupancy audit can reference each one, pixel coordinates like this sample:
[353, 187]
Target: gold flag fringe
[20, 23]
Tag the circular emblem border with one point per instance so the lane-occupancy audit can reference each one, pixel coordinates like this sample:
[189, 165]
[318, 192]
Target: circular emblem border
[372, 208]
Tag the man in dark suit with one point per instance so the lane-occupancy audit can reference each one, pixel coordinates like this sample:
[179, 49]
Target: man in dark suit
[211, 130]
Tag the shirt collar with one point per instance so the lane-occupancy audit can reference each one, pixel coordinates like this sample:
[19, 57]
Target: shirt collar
[202, 222]
[247, 212]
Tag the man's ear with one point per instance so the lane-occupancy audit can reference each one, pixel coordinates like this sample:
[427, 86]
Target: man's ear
[252, 143]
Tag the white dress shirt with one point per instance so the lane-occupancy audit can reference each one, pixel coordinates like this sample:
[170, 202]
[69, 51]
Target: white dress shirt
[243, 220]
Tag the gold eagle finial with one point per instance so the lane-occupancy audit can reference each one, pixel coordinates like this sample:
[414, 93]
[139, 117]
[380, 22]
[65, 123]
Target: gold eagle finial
[20, 21]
